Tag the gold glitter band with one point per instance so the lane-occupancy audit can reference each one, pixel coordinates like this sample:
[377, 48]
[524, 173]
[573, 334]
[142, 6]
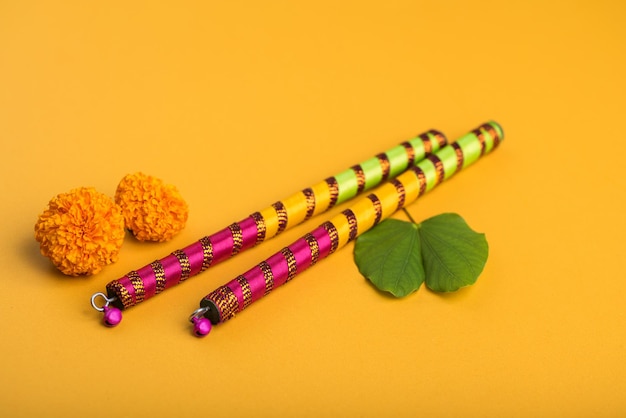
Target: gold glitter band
[310, 202]
[245, 290]
[441, 138]
[207, 252]
[459, 156]
[428, 145]
[352, 223]
[122, 294]
[384, 165]
[185, 267]
[421, 177]
[410, 152]
[226, 302]
[360, 177]
[281, 213]
[378, 207]
[333, 234]
[159, 275]
[291, 263]
[481, 140]
[333, 188]
[260, 227]
[268, 275]
[137, 284]
[401, 192]
[493, 133]
[438, 167]
[314, 247]
[235, 231]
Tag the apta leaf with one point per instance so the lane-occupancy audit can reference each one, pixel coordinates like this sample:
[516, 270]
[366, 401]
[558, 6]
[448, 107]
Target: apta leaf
[454, 255]
[398, 256]
[389, 256]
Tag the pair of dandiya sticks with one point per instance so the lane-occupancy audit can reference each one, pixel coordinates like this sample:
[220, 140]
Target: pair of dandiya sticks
[404, 173]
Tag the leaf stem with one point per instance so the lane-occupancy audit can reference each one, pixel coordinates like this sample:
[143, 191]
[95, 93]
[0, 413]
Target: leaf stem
[406, 212]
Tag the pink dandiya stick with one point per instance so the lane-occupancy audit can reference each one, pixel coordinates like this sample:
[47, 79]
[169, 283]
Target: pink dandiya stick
[226, 301]
[152, 279]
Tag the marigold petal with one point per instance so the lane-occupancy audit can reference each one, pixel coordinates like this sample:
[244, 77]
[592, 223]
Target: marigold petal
[152, 210]
[80, 231]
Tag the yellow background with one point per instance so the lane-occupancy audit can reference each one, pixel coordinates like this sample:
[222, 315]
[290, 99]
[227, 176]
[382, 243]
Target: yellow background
[240, 104]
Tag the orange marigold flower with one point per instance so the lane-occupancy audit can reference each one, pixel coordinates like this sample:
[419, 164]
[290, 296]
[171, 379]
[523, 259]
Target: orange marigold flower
[81, 231]
[152, 210]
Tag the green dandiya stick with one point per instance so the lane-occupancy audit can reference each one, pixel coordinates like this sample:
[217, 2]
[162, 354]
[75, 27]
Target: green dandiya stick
[152, 279]
[226, 301]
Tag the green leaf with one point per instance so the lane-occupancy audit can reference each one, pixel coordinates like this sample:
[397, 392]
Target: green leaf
[389, 256]
[454, 255]
[397, 256]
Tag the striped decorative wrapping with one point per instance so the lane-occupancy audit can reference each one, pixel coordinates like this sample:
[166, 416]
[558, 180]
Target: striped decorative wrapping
[150, 280]
[228, 300]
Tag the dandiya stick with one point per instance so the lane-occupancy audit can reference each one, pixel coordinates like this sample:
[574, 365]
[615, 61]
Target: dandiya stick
[226, 301]
[152, 279]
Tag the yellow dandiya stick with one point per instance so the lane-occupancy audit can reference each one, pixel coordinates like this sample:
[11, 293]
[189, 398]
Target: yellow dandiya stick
[226, 301]
[152, 279]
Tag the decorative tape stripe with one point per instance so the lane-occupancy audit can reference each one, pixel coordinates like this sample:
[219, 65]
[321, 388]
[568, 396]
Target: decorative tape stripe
[207, 252]
[235, 230]
[291, 263]
[333, 234]
[230, 302]
[427, 141]
[360, 177]
[137, 284]
[159, 275]
[410, 153]
[268, 275]
[383, 160]
[441, 138]
[481, 140]
[245, 290]
[401, 192]
[314, 247]
[185, 267]
[493, 133]
[333, 188]
[310, 202]
[148, 281]
[116, 288]
[260, 227]
[248, 228]
[459, 155]
[195, 256]
[378, 208]
[226, 301]
[281, 213]
[421, 177]
[438, 167]
[323, 240]
[352, 223]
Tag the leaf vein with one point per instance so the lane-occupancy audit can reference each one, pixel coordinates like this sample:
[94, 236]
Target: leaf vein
[460, 254]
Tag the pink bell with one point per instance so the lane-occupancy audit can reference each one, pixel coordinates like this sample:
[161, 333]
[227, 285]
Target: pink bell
[112, 316]
[201, 326]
